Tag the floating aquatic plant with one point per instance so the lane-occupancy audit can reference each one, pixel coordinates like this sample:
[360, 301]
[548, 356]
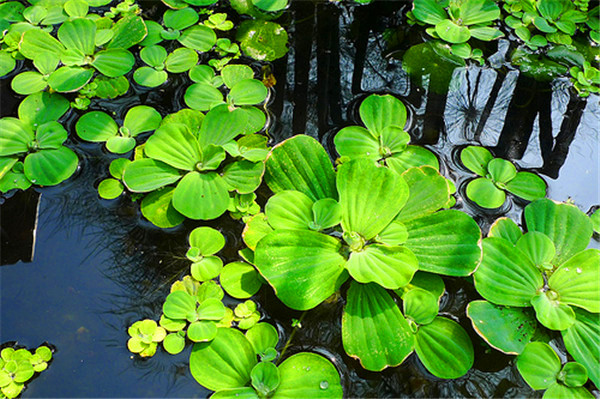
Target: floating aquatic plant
[17, 366]
[496, 176]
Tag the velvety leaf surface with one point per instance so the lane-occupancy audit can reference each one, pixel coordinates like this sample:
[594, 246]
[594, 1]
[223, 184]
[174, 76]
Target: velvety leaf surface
[175, 145]
[552, 313]
[378, 112]
[370, 196]
[199, 37]
[207, 240]
[568, 227]
[576, 281]
[50, 167]
[225, 362]
[420, 305]
[356, 142]
[476, 159]
[256, 228]
[42, 107]
[559, 391]
[538, 365]
[505, 329]
[412, 156]
[445, 242]
[303, 267]
[300, 163]
[308, 375]
[506, 276]
[96, 126]
[15, 136]
[201, 196]
[444, 348]
[244, 176]
[289, 210]
[484, 193]
[202, 96]
[390, 267]
[79, 34]
[70, 79]
[145, 175]
[373, 328]
[505, 228]
[113, 62]
[248, 92]
[240, 280]
[581, 341]
[157, 208]
[527, 185]
[428, 192]
[140, 119]
[221, 125]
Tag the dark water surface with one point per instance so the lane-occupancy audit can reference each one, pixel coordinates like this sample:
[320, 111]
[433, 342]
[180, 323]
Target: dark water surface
[97, 266]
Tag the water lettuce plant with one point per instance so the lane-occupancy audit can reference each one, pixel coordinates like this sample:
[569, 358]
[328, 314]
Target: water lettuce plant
[383, 138]
[541, 368]
[496, 176]
[17, 366]
[99, 127]
[31, 146]
[457, 21]
[182, 25]
[173, 154]
[159, 62]
[365, 221]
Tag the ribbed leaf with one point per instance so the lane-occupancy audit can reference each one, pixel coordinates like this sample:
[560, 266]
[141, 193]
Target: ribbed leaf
[300, 163]
[157, 208]
[199, 37]
[429, 11]
[181, 60]
[370, 196]
[476, 159]
[576, 281]
[244, 176]
[39, 108]
[221, 125]
[50, 167]
[248, 92]
[289, 210]
[50, 135]
[308, 375]
[37, 41]
[141, 119]
[175, 145]
[69, 79]
[475, 12]
[538, 365]
[581, 340]
[15, 136]
[444, 348]
[304, 267]
[428, 192]
[356, 142]
[127, 32]
[506, 276]
[113, 62]
[373, 328]
[96, 126]
[147, 174]
[78, 34]
[390, 267]
[503, 328]
[445, 242]
[378, 112]
[527, 185]
[507, 229]
[225, 362]
[552, 313]
[201, 196]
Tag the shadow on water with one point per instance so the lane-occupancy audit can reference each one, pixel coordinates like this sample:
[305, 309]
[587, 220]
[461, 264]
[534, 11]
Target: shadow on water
[79, 270]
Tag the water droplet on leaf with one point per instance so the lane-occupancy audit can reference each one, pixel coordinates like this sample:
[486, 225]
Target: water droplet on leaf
[324, 385]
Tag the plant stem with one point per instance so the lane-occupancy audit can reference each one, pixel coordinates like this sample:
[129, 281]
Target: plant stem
[287, 344]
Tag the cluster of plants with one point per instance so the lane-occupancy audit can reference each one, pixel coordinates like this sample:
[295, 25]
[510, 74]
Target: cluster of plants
[233, 352]
[559, 37]
[19, 365]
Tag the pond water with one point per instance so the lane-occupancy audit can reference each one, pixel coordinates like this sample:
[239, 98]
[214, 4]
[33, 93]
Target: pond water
[77, 270]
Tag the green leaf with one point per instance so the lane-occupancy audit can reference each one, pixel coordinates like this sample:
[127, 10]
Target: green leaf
[308, 375]
[175, 145]
[265, 378]
[113, 62]
[476, 159]
[69, 79]
[36, 41]
[445, 242]
[474, 12]
[501, 171]
[39, 108]
[300, 163]
[240, 280]
[15, 136]
[158, 209]
[270, 5]
[370, 197]
[96, 126]
[484, 193]
[199, 37]
[235, 393]
[180, 305]
[327, 213]
[567, 226]
[507, 229]
[202, 96]
[356, 142]
[50, 167]
[180, 19]
[76, 8]
[28, 82]
[120, 145]
[244, 176]
[207, 268]
[189, 117]
[117, 167]
[208, 240]
[221, 125]
[559, 391]
[289, 210]
[527, 185]
[145, 175]
[262, 40]
[428, 192]
[373, 329]
[111, 87]
[429, 11]
[576, 281]
[390, 267]
[573, 375]
[154, 56]
[201, 195]
[412, 156]
[378, 112]
[538, 365]
[551, 312]
[78, 34]
[262, 337]
[426, 281]
[538, 247]
[505, 329]
[304, 267]
[420, 305]
[595, 219]
[181, 60]
[140, 119]
[581, 341]
[451, 32]
[485, 33]
[248, 92]
[256, 228]
[506, 276]
[127, 32]
[7, 63]
[225, 362]
[110, 189]
[444, 348]
[232, 74]
[202, 331]
[174, 343]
